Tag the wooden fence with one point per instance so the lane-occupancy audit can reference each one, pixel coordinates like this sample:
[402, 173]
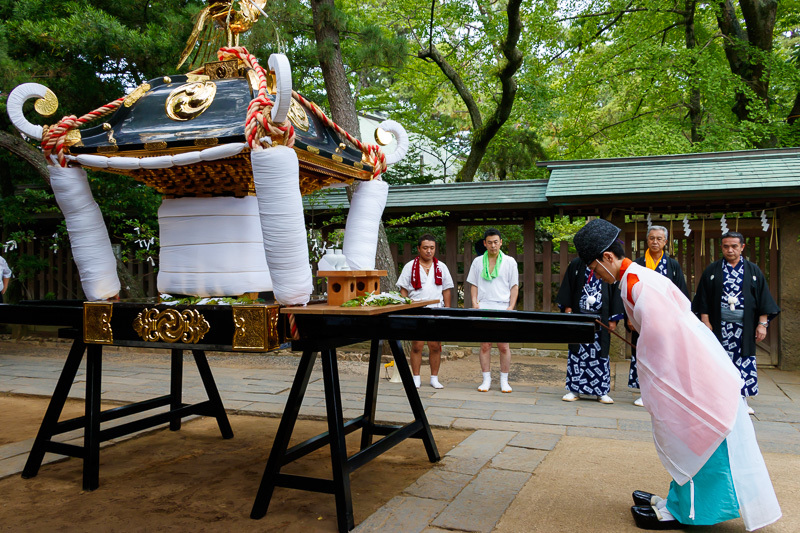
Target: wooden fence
[547, 264]
[694, 253]
[60, 280]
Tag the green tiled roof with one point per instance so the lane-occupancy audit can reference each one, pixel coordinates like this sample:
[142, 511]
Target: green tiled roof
[753, 174]
[474, 196]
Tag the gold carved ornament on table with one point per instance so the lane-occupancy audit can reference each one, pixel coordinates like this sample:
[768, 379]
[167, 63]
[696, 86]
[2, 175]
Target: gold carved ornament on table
[170, 325]
[97, 323]
[255, 328]
[190, 100]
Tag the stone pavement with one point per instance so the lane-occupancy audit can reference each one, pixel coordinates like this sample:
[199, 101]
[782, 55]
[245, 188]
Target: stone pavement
[473, 485]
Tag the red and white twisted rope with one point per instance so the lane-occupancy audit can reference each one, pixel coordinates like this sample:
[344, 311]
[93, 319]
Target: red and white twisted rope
[373, 152]
[54, 136]
[259, 121]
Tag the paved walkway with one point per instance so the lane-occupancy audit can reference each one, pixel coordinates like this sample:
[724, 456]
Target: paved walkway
[513, 432]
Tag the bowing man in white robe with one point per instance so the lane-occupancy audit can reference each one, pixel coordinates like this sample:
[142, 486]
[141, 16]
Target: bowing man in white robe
[690, 387]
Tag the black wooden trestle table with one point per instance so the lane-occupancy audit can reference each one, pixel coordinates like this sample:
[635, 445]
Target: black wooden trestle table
[322, 329]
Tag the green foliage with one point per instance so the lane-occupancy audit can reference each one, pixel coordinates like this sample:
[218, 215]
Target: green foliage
[416, 217]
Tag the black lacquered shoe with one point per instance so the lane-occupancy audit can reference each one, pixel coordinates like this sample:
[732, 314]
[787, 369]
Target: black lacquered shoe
[646, 518]
[641, 497]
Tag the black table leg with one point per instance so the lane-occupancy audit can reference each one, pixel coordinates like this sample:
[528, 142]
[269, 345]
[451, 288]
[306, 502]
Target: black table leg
[413, 399]
[176, 388]
[284, 434]
[213, 393]
[54, 408]
[91, 435]
[341, 474]
[371, 398]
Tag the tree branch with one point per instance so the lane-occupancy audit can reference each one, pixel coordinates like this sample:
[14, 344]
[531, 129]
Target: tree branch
[463, 91]
[32, 156]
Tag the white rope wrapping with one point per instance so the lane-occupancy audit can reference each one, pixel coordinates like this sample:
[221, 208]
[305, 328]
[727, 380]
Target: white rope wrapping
[279, 64]
[276, 175]
[211, 247]
[361, 230]
[400, 136]
[16, 99]
[165, 161]
[91, 247]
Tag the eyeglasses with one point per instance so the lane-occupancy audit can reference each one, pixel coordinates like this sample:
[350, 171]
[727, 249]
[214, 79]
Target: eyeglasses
[653, 238]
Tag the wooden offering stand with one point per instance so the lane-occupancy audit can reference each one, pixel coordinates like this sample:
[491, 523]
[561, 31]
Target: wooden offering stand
[344, 285]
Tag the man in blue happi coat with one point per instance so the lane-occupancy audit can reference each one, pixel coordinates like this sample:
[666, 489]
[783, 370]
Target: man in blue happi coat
[588, 369]
[734, 301]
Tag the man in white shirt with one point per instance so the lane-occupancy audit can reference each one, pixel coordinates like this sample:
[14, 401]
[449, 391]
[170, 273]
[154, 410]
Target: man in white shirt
[5, 273]
[494, 284]
[426, 278]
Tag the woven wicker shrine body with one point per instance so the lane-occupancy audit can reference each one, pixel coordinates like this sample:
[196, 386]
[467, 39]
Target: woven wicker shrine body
[186, 113]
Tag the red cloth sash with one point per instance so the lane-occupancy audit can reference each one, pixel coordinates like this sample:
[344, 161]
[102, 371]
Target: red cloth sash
[416, 278]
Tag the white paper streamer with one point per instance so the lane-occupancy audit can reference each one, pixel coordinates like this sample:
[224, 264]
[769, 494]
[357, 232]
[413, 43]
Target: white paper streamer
[361, 230]
[276, 175]
[211, 247]
[91, 247]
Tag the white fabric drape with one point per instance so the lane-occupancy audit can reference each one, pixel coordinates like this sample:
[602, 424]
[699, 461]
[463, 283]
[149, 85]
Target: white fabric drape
[757, 501]
[91, 247]
[211, 247]
[689, 385]
[276, 175]
[363, 220]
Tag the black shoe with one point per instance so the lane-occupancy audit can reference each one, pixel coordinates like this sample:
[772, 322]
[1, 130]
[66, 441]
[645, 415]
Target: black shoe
[641, 497]
[646, 518]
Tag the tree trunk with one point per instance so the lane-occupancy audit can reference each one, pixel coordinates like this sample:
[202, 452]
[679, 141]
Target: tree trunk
[329, 53]
[484, 132]
[132, 286]
[695, 108]
[759, 16]
[343, 107]
[26, 152]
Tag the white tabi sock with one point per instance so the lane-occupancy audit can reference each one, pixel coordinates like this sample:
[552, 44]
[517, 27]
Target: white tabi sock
[662, 512]
[417, 381]
[435, 383]
[504, 386]
[487, 382]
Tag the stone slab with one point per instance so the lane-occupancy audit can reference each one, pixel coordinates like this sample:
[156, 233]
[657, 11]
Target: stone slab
[481, 504]
[402, 514]
[601, 433]
[482, 443]
[474, 423]
[535, 441]
[561, 420]
[518, 459]
[439, 484]
[462, 465]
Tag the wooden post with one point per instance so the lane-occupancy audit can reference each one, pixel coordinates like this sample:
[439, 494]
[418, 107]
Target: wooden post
[774, 289]
[468, 251]
[529, 264]
[547, 275]
[563, 260]
[407, 254]
[451, 243]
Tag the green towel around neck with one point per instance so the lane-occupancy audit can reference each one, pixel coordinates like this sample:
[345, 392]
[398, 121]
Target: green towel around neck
[489, 276]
